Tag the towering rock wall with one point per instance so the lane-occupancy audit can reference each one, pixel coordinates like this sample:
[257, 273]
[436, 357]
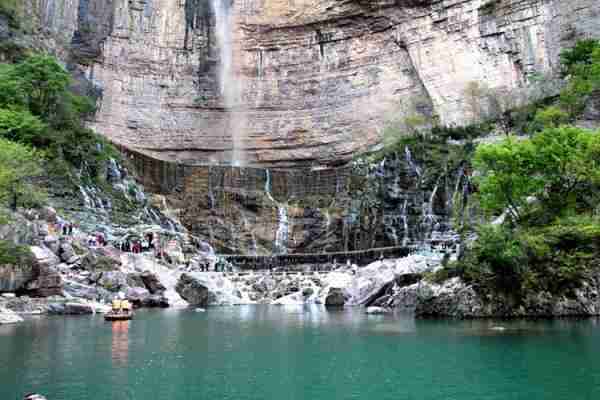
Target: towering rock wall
[317, 78]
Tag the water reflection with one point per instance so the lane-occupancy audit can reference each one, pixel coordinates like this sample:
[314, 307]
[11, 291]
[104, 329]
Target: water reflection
[120, 343]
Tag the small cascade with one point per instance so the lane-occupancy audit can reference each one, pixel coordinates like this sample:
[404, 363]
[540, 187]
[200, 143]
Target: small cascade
[404, 217]
[327, 220]
[92, 199]
[268, 186]
[87, 201]
[411, 163]
[281, 237]
[429, 218]
[394, 234]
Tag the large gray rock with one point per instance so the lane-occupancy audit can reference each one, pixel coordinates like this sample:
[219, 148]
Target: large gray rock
[335, 298]
[13, 278]
[137, 295]
[155, 301]
[99, 260]
[88, 292]
[53, 243]
[152, 283]
[192, 291]
[113, 281]
[26, 305]
[455, 299]
[70, 308]
[43, 257]
[9, 317]
[48, 281]
[134, 279]
[66, 252]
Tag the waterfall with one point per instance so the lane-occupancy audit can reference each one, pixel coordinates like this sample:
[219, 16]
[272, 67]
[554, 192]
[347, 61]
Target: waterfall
[223, 36]
[405, 223]
[87, 202]
[429, 218]
[229, 83]
[281, 237]
[430, 214]
[411, 163]
[268, 186]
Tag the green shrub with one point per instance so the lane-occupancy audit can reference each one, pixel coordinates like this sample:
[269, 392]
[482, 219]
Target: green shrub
[12, 254]
[580, 54]
[37, 108]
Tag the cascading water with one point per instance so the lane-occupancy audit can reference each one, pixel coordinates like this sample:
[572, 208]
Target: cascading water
[409, 160]
[281, 238]
[429, 218]
[404, 217]
[268, 186]
[229, 86]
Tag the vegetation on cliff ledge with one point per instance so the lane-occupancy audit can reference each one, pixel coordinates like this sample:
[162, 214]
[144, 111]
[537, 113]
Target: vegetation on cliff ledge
[42, 125]
[546, 189]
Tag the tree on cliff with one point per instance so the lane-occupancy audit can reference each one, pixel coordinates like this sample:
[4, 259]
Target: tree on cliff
[559, 167]
[38, 109]
[19, 166]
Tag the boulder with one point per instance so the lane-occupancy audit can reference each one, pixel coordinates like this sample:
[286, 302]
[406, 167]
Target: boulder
[335, 298]
[100, 259]
[137, 295]
[9, 317]
[88, 292]
[43, 257]
[377, 310]
[26, 305]
[13, 278]
[70, 308]
[48, 214]
[155, 301]
[113, 281]
[48, 281]
[134, 279]
[51, 242]
[192, 291]
[66, 252]
[152, 283]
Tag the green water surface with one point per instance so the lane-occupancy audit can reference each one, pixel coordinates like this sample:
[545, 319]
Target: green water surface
[268, 352]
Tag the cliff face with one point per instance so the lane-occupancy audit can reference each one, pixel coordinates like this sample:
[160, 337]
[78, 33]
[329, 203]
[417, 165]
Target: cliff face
[315, 80]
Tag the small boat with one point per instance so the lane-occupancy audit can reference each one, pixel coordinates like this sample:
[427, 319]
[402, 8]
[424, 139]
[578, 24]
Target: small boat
[121, 311]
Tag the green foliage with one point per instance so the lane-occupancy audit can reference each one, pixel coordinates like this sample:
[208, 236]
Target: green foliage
[551, 117]
[583, 68]
[553, 258]
[559, 167]
[579, 55]
[38, 109]
[21, 126]
[9, 8]
[11, 254]
[506, 175]
[42, 84]
[19, 165]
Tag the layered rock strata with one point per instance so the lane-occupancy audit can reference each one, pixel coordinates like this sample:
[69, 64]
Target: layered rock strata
[317, 79]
